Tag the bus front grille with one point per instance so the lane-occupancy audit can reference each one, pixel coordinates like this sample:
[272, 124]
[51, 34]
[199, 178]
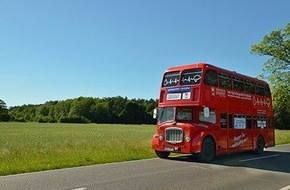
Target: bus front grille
[174, 135]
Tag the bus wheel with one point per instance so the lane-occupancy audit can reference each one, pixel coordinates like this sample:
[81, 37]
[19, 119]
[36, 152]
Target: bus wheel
[207, 153]
[260, 145]
[162, 154]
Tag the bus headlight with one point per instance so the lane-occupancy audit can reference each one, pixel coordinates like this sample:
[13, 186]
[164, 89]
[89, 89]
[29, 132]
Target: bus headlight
[160, 137]
[187, 138]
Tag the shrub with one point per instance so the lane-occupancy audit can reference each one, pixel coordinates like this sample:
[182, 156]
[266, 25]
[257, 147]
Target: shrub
[74, 119]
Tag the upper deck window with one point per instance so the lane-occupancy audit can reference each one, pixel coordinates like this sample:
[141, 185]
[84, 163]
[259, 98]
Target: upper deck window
[171, 79]
[192, 76]
[260, 90]
[211, 78]
[238, 84]
[225, 81]
[249, 87]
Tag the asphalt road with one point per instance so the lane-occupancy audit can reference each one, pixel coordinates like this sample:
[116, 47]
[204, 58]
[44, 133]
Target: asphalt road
[239, 171]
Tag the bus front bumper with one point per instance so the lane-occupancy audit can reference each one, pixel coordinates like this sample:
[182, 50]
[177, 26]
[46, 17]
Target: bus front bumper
[191, 147]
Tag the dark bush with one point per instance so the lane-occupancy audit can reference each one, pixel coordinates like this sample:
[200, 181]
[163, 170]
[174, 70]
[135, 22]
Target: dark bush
[74, 119]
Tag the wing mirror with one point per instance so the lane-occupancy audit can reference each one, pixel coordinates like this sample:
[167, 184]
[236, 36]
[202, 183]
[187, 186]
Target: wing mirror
[155, 113]
[206, 112]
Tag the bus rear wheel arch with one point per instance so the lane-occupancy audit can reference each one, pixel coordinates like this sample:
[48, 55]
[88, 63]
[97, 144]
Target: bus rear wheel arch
[208, 150]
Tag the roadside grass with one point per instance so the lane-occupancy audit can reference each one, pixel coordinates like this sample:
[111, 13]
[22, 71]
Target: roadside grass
[28, 147]
[282, 137]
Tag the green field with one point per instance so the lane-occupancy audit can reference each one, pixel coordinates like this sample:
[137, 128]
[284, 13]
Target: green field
[282, 137]
[28, 147]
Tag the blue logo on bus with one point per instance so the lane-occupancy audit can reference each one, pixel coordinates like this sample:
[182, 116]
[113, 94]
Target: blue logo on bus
[179, 89]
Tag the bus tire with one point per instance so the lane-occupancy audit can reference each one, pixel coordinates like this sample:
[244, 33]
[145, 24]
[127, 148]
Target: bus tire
[207, 153]
[260, 145]
[162, 155]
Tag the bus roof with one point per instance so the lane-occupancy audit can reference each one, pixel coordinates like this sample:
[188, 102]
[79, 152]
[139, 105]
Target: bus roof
[206, 65]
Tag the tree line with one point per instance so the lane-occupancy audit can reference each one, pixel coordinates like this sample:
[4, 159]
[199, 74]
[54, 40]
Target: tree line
[83, 110]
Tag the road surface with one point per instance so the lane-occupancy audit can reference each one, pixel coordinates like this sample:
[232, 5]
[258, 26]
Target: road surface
[239, 171]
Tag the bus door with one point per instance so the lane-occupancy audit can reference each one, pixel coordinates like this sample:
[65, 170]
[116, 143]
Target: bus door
[240, 133]
[223, 143]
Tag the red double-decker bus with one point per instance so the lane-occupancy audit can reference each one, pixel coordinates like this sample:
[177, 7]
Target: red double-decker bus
[208, 111]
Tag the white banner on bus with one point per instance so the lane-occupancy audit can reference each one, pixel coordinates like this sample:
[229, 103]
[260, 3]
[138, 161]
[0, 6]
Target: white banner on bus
[179, 96]
[173, 96]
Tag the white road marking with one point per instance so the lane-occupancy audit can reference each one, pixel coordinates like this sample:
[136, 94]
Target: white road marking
[83, 188]
[285, 188]
[259, 158]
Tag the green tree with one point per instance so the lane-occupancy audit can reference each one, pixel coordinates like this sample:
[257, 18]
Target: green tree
[133, 113]
[116, 106]
[3, 111]
[276, 70]
[101, 113]
[82, 107]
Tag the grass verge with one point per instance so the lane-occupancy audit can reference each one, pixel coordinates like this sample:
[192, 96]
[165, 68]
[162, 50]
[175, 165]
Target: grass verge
[282, 137]
[28, 147]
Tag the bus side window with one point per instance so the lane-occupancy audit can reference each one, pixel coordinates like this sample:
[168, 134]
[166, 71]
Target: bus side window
[260, 90]
[248, 121]
[249, 87]
[210, 119]
[261, 122]
[239, 121]
[231, 122]
[238, 84]
[223, 120]
[225, 81]
[211, 78]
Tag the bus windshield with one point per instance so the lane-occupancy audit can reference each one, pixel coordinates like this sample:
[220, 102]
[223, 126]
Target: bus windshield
[165, 114]
[184, 114]
[168, 114]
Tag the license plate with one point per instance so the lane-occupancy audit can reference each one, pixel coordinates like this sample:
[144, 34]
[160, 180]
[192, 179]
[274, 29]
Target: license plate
[168, 149]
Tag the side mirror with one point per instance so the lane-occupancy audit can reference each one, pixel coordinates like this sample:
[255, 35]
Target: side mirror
[206, 112]
[155, 113]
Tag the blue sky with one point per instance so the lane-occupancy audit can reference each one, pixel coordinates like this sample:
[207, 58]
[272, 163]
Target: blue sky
[60, 49]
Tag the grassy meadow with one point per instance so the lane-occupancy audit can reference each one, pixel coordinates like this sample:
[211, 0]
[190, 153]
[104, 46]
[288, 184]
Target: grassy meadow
[28, 147]
[282, 137]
